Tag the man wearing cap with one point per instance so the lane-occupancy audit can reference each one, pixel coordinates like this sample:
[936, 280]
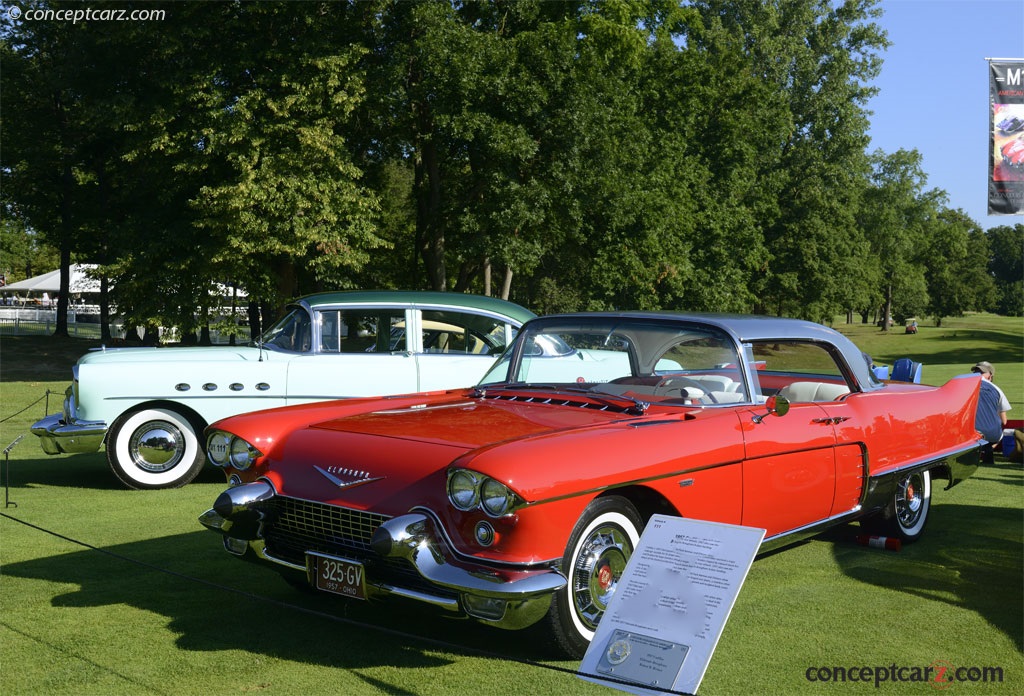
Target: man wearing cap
[992, 407]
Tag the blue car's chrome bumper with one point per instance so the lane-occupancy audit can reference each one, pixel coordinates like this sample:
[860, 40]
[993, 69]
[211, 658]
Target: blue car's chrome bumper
[57, 436]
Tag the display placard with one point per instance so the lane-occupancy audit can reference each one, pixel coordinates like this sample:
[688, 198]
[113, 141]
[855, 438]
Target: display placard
[670, 605]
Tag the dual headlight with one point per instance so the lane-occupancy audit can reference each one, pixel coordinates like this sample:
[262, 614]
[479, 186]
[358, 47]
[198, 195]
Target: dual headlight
[224, 449]
[468, 490]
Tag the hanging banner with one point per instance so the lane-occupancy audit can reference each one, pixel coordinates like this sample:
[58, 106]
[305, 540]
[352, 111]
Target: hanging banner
[1006, 136]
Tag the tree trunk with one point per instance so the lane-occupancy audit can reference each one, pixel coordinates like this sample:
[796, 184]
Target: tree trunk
[887, 310]
[255, 326]
[104, 309]
[429, 225]
[506, 285]
[65, 291]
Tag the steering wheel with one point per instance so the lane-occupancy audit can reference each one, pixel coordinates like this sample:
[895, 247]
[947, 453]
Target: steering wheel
[677, 382]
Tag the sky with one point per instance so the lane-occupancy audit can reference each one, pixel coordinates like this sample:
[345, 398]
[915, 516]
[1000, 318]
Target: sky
[934, 91]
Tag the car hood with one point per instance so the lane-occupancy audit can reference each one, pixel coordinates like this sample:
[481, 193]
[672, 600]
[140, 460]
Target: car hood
[393, 459]
[396, 458]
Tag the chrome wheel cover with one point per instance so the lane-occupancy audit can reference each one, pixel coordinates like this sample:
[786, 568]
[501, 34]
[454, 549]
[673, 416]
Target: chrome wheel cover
[157, 446]
[910, 500]
[596, 572]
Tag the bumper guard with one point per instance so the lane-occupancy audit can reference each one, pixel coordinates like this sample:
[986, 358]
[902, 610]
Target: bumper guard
[56, 436]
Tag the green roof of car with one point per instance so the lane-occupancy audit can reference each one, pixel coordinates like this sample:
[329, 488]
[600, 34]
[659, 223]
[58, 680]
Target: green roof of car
[427, 298]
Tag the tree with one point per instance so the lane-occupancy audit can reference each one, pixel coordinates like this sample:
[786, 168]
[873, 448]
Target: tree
[706, 155]
[22, 253]
[1006, 266]
[951, 276]
[45, 66]
[254, 127]
[894, 215]
[804, 120]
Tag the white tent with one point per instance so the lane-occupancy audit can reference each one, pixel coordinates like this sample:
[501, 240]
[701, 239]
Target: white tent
[50, 282]
[81, 282]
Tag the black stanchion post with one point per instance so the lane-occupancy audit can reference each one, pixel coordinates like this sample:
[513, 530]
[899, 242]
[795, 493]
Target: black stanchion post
[7, 472]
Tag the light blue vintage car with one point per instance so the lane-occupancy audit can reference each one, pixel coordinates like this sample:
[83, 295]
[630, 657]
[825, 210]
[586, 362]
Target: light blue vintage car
[149, 406]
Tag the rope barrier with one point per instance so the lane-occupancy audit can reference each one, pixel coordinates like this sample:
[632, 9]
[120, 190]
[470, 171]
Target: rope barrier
[44, 396]
[440, 644]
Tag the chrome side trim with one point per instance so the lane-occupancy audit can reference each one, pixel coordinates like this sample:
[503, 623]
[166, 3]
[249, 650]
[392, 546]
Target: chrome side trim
[961, 465]
[809, 530]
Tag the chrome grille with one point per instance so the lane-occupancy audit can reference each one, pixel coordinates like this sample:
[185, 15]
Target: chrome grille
[292, 527]
[300, 525]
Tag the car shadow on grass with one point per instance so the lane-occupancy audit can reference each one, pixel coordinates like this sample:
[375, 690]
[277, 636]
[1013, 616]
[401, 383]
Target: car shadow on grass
[215, 602]
[971, 557]
[89, 471]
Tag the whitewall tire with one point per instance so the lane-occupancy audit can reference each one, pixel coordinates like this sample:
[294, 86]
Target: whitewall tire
[154, 448]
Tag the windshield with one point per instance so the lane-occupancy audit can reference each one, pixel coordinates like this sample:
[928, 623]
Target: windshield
[291, 334]
[650, 359]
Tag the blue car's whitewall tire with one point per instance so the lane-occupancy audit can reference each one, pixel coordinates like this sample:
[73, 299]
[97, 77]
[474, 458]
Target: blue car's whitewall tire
[154, 448]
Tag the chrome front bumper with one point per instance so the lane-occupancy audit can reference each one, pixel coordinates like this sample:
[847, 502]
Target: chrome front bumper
[506, 600]
[57, 436]
[64, 433]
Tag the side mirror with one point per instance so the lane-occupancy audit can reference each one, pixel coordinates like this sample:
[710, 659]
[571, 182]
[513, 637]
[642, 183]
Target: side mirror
[776, 405]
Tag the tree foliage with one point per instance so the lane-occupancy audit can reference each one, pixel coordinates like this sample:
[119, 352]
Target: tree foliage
[1006, 266]
[702, 155]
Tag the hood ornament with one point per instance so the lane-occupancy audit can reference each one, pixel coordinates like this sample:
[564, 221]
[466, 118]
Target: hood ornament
[351, 478]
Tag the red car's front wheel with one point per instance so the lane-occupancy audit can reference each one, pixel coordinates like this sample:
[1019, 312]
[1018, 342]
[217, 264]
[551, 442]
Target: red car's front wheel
[595, 558]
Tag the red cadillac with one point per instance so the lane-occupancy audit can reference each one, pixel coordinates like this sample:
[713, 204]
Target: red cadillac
[520, 501]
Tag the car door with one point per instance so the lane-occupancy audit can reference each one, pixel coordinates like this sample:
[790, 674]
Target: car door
[458, 346]
[355, 351]
[795, 471]
[789, 469]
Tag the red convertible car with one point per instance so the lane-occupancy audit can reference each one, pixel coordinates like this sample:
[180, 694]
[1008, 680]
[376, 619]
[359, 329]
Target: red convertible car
[519, 501]
[1013, 152]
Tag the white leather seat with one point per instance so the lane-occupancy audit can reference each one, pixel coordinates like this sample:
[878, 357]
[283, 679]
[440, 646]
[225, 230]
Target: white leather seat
[714, 382]
[726, 397]
[806, 392]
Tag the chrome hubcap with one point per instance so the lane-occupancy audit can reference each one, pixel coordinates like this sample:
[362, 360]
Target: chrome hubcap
[596, 574]
[157, 446]
[909, 500]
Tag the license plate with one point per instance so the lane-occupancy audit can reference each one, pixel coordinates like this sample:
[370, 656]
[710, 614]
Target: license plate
[339, 576]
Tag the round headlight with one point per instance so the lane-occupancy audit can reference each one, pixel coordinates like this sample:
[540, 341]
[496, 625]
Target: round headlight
[463, 489]
[217, 448]
[495, 498]
[241, 454]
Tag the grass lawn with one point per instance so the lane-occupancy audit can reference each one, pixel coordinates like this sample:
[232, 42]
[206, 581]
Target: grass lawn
[110, 591]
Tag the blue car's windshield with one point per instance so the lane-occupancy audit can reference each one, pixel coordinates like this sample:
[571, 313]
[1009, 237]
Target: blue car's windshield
[292, 334]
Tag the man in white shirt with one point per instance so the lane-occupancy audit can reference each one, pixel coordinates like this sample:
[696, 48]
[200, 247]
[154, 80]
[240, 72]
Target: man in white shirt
[992, 407]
